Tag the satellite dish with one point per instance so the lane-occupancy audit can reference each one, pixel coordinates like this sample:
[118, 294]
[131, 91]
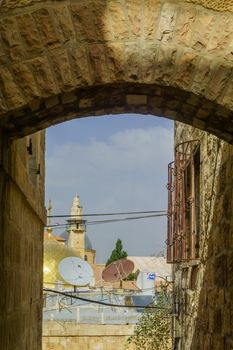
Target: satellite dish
[75, 271]
[146, 282]
[118, 270]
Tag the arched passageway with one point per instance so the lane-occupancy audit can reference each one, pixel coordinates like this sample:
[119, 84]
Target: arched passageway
[69, 59]
[72, 59]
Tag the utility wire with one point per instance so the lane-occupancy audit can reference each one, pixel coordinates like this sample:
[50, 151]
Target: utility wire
[108, 214]
[124, 219]
[95, 222]
[105, 289]
[103, 303]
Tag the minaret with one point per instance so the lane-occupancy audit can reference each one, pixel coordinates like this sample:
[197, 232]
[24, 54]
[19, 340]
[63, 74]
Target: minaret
[76, 228]
[49, 221]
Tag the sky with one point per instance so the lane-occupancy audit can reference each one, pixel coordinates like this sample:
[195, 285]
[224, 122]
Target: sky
[114, 163]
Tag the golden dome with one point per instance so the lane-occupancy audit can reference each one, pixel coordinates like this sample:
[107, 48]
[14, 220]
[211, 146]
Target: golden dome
[54, 252]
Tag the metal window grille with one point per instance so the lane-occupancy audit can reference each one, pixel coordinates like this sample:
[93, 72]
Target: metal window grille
[183, 203]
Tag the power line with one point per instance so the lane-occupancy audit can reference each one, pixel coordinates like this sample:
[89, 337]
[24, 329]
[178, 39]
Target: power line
[124, 219]
[96, 222]
[108, 214]
[103, 303]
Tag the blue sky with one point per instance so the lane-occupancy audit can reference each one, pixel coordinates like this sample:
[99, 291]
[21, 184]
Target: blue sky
[114, 163]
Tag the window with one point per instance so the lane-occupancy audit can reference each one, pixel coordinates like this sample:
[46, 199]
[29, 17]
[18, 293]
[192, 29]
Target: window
[33, 148]
[184, 203]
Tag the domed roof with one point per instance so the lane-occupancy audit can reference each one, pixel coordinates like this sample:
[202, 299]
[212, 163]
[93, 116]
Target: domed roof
[54, 252]
[65, 235]
[88, 244]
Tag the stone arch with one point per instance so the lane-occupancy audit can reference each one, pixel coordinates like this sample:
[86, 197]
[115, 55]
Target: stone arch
[73, 59]
[66, 59]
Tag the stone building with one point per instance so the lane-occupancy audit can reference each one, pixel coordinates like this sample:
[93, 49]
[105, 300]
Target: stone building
[22, 217]
[200, 240]
[72, 242]
[75, 236]
[70, 59]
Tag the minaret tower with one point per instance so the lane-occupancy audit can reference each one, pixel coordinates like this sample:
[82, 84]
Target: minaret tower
[49, 221]
[76, 228]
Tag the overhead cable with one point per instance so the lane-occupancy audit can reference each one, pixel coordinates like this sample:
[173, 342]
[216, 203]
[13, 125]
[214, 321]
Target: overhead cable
[124, 219]
[108, 214]
[95, 222]
[103, 303]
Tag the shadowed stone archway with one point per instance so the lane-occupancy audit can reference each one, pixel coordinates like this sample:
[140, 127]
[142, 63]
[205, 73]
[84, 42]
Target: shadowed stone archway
[77, 58]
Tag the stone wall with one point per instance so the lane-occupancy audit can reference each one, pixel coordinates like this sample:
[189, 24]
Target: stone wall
[203, 288]
[65, 335]
[22, 218]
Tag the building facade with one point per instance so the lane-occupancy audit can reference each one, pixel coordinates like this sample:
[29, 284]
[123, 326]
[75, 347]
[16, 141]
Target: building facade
[200, 240]
[22, 220]
[75, 236]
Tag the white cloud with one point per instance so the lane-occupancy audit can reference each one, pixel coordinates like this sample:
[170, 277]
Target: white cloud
[127, 171]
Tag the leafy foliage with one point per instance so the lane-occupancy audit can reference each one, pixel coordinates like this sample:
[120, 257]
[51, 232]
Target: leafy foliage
[117, 253]
[153, 330]
[132, 277]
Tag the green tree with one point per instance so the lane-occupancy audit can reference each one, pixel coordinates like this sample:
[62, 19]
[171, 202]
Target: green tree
[117, 253]
[153, 331]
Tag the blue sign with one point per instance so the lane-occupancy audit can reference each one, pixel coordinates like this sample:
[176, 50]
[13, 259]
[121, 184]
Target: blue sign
[151, 276]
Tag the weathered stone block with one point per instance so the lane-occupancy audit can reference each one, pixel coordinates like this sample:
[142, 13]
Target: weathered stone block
[202, 75]
[115, 57]
[80, 66]
[62, 69]
[148, 62]
[10, 90]
[165, 63]
[136, 99]
[119, 24]
[167, 22]
[29, 33]
[203, 26]
[52, 101]
[132, 62]
[86, 103]
[218, 82]
[98, 63]
[44, 76]
[185, 69]
[11, 37]
[64, 23]
[26, 80]
[228, 96]
[46, 27]
[134, 10]
[83, 22]
[69, 97]
[184, 22]
[222, 35]
[102, 20]
[152, 12]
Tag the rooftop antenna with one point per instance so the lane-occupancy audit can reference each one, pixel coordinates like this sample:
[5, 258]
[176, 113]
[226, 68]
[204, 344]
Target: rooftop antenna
[75, 271]
[117, 271]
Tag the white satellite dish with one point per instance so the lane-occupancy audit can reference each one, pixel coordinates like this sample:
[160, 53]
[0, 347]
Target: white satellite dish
[146, 282]
[75, 271]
